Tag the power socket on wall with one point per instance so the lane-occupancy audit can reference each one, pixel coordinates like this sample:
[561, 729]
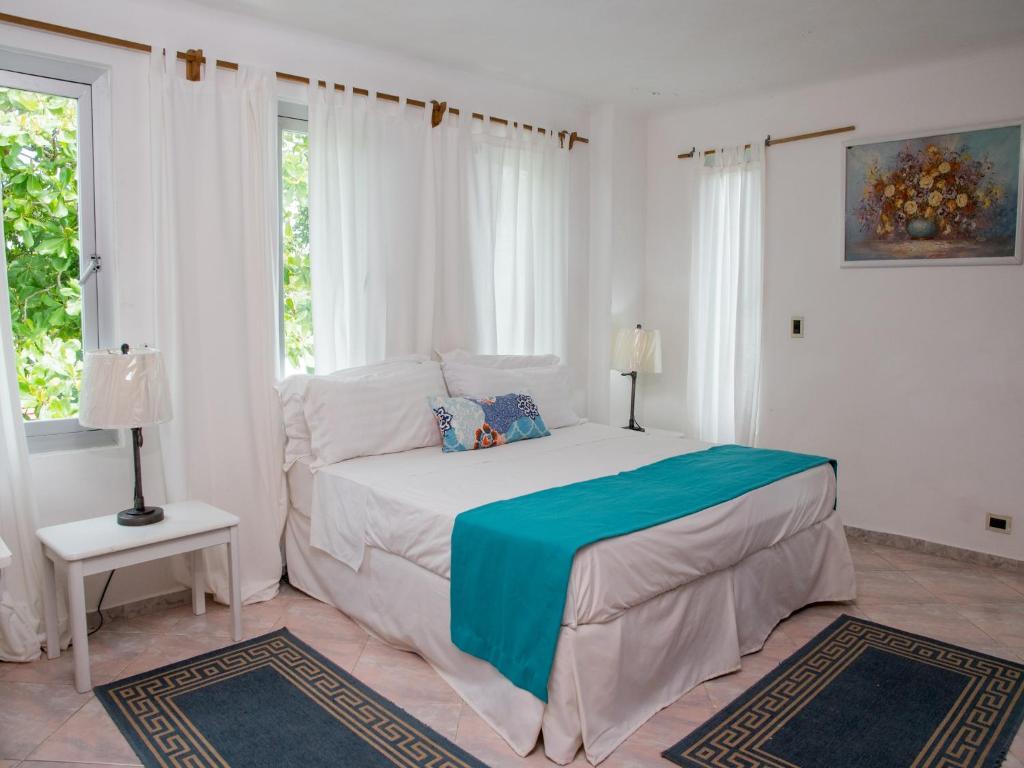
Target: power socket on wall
[999, 523]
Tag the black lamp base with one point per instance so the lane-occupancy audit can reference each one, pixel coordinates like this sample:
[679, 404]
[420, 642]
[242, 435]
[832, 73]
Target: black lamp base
[633, 425]
[144, 516]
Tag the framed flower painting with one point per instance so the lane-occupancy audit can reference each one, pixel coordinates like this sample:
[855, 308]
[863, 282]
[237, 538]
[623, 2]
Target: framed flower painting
[940, 198]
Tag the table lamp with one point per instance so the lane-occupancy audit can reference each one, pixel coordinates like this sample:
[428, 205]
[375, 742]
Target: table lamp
[634, 351]
[126, 390]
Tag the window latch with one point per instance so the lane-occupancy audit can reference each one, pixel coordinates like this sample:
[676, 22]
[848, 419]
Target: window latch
[95, 265]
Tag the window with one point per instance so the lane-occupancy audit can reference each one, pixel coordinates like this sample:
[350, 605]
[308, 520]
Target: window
[50, 241]
[296, 301]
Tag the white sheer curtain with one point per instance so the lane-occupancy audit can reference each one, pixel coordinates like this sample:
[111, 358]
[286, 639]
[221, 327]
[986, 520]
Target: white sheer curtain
[21, 605]
[526, 176]
[726, 289]
[216, 262]
[430, 238]
[371, 201]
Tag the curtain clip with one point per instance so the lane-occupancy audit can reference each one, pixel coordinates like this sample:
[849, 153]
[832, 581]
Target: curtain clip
[194, 64]
[437, 110]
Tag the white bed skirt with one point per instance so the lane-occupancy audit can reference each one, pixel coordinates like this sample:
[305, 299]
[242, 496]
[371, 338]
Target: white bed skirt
[608, 678]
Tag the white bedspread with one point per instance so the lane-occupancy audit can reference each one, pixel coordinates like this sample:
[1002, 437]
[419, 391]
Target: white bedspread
[406, 504]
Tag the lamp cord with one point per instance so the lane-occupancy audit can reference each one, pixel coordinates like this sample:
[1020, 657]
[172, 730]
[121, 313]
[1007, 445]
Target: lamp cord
[99, 605]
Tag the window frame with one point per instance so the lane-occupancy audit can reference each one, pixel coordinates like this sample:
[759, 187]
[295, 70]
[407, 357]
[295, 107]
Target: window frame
[89, 87]
[290, 117]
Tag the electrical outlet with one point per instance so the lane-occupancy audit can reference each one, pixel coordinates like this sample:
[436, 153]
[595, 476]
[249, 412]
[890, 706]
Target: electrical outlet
[999, 523]
[796, 327]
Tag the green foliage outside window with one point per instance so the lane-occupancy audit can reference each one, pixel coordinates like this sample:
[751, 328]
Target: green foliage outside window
[298, 305]
[38, 168]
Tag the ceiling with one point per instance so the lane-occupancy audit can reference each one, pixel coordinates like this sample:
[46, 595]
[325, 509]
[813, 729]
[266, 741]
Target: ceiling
[658, 53]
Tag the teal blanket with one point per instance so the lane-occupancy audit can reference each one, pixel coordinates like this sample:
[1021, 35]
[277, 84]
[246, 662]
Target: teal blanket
[511, 560]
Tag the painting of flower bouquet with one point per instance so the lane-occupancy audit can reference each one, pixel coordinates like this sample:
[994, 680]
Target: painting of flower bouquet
[941, 199]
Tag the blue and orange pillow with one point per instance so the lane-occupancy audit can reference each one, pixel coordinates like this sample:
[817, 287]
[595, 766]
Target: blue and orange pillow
[472, 423]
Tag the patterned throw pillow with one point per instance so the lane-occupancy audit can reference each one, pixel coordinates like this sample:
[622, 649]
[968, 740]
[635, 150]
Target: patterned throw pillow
[469, 423]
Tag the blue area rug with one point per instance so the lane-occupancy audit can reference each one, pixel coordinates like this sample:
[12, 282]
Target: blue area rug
[863, 695]
[272, 701]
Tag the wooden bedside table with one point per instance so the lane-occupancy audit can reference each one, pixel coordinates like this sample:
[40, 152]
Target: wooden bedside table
[100, 544]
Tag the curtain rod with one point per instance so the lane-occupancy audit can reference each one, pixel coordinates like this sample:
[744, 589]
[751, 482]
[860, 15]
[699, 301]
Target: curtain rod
[194, 58]
[769, 141]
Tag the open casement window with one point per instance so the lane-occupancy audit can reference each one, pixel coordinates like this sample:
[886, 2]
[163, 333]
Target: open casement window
[56, 275]
[296, 316]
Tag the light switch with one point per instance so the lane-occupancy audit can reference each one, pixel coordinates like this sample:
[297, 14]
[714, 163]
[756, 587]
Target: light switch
[796, 327]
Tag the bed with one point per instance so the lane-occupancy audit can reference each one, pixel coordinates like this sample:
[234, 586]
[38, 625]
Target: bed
[648, 615]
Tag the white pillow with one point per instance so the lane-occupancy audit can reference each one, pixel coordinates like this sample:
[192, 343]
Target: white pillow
[549, 386]
[384, 412]
[498, 361]
[292, 391]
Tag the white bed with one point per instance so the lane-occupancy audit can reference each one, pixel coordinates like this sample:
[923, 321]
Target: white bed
[648, 615]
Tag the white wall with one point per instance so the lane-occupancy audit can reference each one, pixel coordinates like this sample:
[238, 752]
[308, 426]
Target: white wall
[618, 176]
[79, 484]
[913, 378]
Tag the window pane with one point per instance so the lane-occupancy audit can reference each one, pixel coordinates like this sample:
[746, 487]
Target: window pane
[39, 165]
[298, 307]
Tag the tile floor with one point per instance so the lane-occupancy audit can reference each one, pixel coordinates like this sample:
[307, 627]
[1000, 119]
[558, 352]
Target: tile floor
[44, 723]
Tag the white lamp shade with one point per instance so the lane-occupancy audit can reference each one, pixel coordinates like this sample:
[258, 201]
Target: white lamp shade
[124, 390]
[637, 349]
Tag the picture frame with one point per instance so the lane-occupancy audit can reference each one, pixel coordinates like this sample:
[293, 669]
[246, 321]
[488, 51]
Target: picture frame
[975, 177]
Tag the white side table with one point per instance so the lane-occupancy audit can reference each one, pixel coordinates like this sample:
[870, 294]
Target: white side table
[100, 544]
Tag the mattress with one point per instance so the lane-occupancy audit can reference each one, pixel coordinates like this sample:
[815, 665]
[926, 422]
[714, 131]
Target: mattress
[406, 503]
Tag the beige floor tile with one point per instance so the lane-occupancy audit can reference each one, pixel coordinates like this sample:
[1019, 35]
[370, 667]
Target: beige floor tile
[287, 593]
[312, 620]
[865, 558]
[44, 718]
[668, 726]
[257, 619]
[908, 560]
[779, 646]
[87, 736]
[1004, 623]
[722, 690]
[891, 588]
[965, 587]
[808, 622]
[1014, 578]
[480, 740]
[168, 649]
[30, 712]
[939, 621]
[344, 653]
[109, 654]
[412, 684]
[146, 623]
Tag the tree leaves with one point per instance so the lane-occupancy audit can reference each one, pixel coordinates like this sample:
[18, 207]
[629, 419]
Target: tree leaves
[38, 170]
[298, 305]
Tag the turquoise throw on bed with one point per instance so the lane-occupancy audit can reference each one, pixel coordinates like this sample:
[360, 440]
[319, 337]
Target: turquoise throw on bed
[511, 559]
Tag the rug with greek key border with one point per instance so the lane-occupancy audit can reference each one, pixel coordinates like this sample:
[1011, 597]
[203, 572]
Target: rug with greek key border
[866, 695]
[269, 701]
